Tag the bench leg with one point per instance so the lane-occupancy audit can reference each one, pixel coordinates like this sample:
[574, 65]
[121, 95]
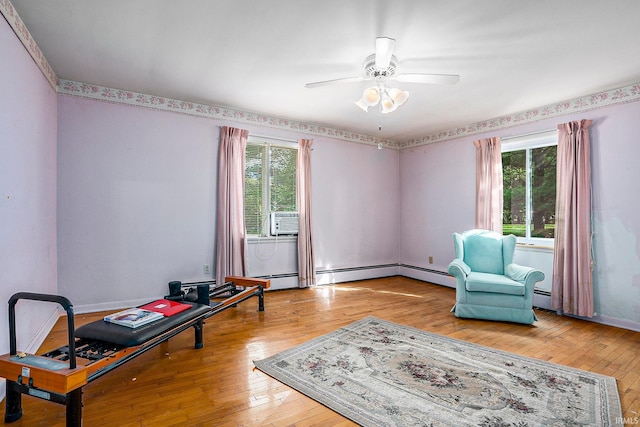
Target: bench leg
[198, 333]
[74, 408]
[13, 403]
[260, 298]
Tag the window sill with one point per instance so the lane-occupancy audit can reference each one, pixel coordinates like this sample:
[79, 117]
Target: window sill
[536, 246]
[271, 239]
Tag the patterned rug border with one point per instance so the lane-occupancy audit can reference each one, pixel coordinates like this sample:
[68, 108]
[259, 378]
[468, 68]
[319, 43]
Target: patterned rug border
[608, 384]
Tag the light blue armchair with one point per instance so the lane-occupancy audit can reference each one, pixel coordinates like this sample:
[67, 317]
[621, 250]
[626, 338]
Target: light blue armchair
[488, 284]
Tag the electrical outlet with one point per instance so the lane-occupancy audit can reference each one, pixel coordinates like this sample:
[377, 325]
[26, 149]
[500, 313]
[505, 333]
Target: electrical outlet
[430, 260]
[206, 268]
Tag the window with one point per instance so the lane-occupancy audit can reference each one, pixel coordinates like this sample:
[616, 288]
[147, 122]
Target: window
[270, 182]
[529, 185]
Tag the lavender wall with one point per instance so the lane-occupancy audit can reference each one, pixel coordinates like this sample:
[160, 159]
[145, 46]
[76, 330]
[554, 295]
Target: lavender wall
[136, 197]
[28, 198]
[437, 197]
[136, 191]
[356, 212]
[437, 190]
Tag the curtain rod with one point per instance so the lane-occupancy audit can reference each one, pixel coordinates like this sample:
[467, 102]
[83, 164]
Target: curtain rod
[527, 134]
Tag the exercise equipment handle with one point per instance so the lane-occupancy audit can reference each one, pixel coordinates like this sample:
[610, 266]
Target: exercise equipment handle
[64, 302]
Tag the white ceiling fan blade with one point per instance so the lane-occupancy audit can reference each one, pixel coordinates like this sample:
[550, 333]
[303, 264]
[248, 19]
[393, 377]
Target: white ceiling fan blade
[429, 78]
[384, 50]
[334, 81]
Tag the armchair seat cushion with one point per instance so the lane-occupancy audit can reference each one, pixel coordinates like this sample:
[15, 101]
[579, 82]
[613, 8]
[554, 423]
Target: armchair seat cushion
[494, 283]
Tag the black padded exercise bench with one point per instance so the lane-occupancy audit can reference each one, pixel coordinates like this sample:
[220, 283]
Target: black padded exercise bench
[99, 347]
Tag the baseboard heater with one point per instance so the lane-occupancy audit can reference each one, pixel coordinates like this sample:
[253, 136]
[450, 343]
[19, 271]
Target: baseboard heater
[348, 269]
[426, 270]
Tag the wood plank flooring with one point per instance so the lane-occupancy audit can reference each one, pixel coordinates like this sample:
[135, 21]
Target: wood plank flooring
[176, 385]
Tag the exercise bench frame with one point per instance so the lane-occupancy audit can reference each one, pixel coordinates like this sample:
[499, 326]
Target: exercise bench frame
[58, 377]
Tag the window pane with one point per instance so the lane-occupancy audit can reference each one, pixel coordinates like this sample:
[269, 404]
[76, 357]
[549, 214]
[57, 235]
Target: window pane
[255, 158]
[543, 191]
[514, 176]
[270, 184]
[283, 179]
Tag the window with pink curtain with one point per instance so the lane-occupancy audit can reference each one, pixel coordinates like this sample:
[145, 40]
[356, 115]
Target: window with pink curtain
[572, 288]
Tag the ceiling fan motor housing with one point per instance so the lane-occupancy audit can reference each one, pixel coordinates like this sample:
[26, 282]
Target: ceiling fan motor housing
[372, 71]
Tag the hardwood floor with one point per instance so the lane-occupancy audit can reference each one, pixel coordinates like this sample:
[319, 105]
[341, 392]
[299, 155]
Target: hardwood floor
[176, 385]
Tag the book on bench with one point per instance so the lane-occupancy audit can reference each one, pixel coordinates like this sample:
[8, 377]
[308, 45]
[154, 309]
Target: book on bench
[133, 317]
[166, 307]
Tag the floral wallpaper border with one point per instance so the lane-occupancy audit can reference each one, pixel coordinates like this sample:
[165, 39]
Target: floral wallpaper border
[91, 91]
[602, 99]
[12, 17]
[621, 95]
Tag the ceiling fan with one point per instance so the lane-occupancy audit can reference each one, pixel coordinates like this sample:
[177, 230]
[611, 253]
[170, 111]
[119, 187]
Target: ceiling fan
[381, 67]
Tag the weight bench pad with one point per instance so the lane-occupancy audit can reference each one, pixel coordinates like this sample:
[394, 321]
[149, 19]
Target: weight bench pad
[130, 337]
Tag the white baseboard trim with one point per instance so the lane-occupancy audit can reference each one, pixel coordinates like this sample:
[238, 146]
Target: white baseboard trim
[111, 306]
[332, 276]
[612, 321]
[290, 282]
[544, 302]
[427, 275]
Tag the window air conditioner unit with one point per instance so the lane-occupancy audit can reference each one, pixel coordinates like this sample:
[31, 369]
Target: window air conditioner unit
[284, 223]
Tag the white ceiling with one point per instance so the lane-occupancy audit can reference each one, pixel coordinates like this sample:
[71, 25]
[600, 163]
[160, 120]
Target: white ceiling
[256, 56]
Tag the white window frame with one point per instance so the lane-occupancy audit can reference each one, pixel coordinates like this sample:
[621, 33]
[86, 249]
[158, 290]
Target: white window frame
[529, 142]
[266, 178]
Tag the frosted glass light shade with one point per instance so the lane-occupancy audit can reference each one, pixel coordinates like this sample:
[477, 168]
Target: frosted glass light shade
[399, 96]
[387, 104]
[371, 96]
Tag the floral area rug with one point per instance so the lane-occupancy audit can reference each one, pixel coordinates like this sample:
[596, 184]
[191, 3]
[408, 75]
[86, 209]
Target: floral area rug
[379, 373]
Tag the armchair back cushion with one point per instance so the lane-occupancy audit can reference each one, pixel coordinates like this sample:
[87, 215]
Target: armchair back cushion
[485, 251]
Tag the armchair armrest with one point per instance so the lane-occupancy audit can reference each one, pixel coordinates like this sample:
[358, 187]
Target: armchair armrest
[522, 274]
[458, 268]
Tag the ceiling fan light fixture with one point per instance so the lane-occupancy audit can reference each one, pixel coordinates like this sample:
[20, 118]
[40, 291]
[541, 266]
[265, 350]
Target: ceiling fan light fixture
[386, 104]
[399, 96]
[371, 96]
[389, 109]
[389, 99]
